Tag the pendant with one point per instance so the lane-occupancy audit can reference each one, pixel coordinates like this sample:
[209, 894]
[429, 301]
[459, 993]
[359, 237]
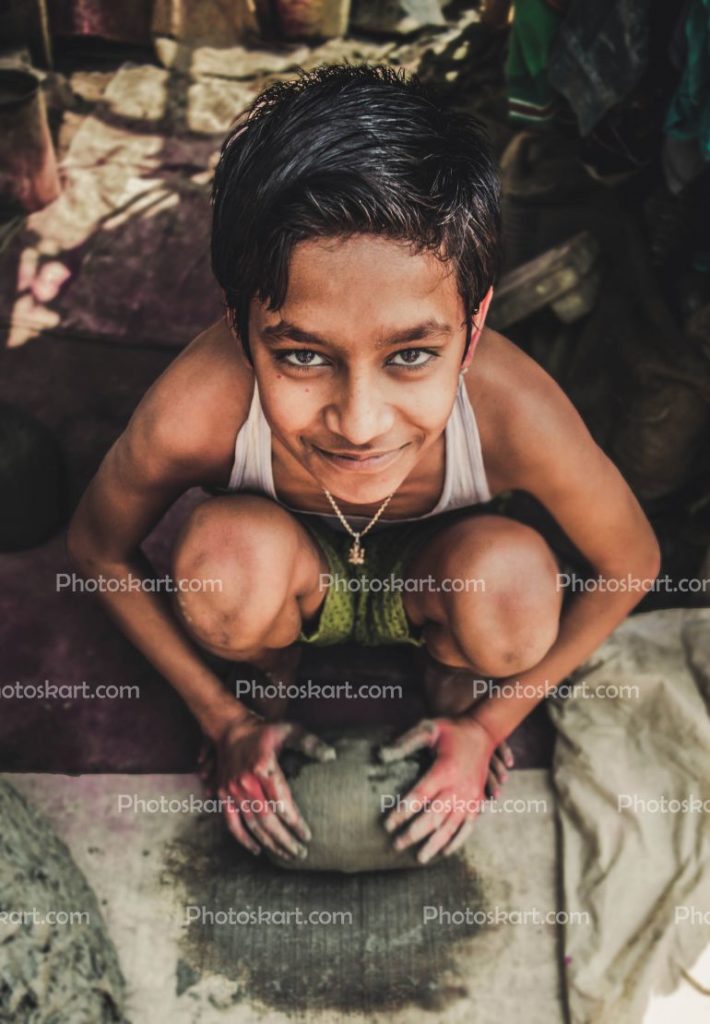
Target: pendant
[357, 553]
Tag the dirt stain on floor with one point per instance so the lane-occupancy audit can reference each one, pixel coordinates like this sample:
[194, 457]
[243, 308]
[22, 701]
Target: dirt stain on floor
[380, 956]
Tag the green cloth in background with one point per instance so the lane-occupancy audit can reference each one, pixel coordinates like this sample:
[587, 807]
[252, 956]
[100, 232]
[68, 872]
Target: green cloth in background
[530, 96]
[688, 116]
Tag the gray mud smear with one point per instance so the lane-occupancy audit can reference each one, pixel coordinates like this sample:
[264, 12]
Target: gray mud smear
[383, 959]
[63, 971]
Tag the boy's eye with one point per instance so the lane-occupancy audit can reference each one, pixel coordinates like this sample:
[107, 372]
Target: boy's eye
[301, 358]
[306, 358]
[414, 357]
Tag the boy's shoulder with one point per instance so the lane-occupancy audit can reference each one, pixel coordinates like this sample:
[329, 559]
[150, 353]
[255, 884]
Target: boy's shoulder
[524, 417]
[191, 415]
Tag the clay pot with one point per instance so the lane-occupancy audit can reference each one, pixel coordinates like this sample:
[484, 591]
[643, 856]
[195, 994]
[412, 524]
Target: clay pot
[28, 168]
[342, 802]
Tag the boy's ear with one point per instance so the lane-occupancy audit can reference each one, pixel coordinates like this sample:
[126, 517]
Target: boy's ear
[479, 320]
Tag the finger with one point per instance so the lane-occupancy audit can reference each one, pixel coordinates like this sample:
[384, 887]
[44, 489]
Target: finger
[278, 833]
[506, 754]
[422, 735]
[415, 801]
[234, 824]
[492, 786]
[208, 775]
[459, 838]
[206, 757]
[277, 789]
[439, 839]
[499, 768]
[259, 817]
[257, 827]
[422, 826]
[296, 738]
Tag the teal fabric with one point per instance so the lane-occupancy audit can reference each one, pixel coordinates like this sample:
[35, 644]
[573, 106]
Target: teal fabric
[688, 116]
[534, 29]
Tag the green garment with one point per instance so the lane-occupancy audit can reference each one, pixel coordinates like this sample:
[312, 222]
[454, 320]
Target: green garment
[363, 602]
[688, 116]
[535, 26]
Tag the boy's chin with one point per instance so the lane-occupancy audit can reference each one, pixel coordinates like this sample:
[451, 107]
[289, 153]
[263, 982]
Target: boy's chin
[371, 492]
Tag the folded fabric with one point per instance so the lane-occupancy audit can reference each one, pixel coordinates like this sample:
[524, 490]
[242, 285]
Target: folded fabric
[599, 56]
[632, 775]
[535, 26]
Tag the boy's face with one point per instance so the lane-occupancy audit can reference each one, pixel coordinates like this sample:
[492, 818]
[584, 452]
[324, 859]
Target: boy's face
[358, 369]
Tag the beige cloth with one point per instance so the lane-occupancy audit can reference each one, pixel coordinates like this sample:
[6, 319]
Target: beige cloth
[204, 22]
[642, 874]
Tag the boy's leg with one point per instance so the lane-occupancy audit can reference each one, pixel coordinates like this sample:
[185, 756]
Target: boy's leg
[498, 625]
[268, 570]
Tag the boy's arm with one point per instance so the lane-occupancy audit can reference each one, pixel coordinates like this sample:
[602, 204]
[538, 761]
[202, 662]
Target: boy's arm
[183, 434]
[536, 442]
[550, 454]
[145, 471]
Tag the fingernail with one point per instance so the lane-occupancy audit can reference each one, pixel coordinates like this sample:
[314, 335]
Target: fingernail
[390, 825]
[423, 857]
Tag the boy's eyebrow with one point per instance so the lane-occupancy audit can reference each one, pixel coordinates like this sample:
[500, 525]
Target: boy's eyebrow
[285, 329]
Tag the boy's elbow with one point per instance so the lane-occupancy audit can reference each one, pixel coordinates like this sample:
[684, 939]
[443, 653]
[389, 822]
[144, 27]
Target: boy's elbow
[647, 564]
[653, 558]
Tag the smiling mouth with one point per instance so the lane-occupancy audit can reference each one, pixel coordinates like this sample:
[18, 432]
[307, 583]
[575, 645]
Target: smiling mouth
[360, 460]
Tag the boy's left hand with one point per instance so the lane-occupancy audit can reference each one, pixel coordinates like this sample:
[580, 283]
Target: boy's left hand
[467, 763]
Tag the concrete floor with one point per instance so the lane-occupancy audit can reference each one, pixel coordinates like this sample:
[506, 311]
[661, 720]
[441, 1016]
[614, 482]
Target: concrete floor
[385, 964]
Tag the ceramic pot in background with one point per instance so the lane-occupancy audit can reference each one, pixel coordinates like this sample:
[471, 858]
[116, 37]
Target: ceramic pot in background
[124, 22]
[312, 19]
[28, 166]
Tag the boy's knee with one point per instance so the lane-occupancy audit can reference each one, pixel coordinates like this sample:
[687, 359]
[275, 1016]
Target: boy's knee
[233, 566]
[508, 623]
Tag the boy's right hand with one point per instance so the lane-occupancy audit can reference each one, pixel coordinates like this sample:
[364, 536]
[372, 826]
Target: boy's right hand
[260, 809]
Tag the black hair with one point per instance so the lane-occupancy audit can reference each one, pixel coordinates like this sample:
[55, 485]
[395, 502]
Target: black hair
[344, 150]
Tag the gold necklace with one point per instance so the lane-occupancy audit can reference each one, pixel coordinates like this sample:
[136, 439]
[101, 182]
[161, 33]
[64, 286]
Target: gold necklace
[356, 555]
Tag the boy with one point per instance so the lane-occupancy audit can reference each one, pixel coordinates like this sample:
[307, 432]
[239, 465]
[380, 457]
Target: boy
[355, 237]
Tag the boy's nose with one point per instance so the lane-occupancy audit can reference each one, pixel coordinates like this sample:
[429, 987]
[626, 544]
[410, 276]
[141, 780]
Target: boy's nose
[360, 415]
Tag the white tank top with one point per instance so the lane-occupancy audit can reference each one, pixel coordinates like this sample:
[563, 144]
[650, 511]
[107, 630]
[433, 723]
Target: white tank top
[465, 480]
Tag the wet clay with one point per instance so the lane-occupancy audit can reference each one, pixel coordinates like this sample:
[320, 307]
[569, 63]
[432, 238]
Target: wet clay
[343, 802]
[53, 966]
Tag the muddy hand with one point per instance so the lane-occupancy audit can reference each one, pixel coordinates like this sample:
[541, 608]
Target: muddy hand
[440, 809]
[261, 811]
